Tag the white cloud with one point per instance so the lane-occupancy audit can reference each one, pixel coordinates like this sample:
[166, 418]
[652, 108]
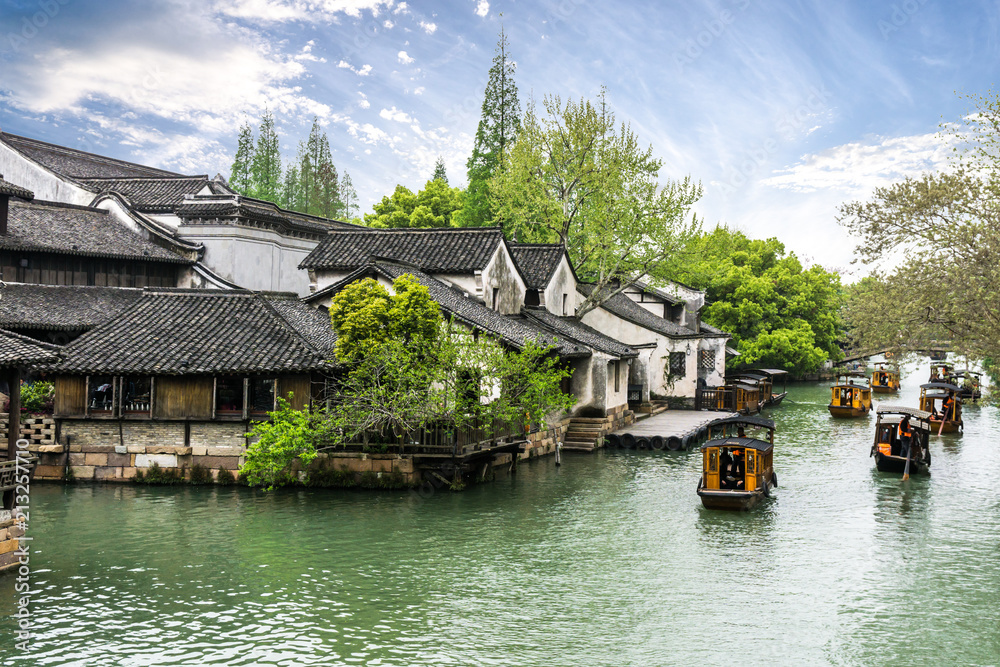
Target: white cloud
[858, 167]
[364, 103]
[388, 24]
[404, 58]
[401, 8]
[419, 90]
[396, 115]
[277, 11]
[364, 71]
[428, 27]
[482, 8]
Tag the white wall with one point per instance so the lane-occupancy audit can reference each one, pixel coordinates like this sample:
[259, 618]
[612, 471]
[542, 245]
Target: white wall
[46, 185]
[501, 274]
[562, 282]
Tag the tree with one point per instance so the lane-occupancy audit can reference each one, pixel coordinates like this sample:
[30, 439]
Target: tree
[405, 369]
[434, 206]
[265, 169]
[439, 171]
[779, 313]
[574, 177]
[240, 177]
[291, 192]
[348, 197]
[498, 128]
[934, 241]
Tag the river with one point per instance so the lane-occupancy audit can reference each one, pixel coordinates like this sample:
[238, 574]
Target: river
[608, 560]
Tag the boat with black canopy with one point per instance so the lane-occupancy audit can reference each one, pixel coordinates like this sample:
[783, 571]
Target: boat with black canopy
[737, 463]
[941, 371]
[766, 379]
[851, 396]
[941, 399]
[885, 378]
[893, 444]
[970, 383]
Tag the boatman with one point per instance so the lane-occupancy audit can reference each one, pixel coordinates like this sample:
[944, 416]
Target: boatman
[946, 407]
[905, 436]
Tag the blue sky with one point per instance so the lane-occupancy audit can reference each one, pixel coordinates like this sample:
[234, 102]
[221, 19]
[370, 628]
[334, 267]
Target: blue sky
[782, 110]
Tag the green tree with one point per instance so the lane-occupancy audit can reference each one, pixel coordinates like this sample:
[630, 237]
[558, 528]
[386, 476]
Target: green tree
[779, 313]
[265, 169]
[498, 128]
[439, 171]
[240, 178]
[291, 195]
[434, 206]
[573, 176]
[348, 197]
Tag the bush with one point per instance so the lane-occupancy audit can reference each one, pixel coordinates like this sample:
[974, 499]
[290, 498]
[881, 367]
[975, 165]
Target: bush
[35, 397]
[331, 478]
[225, 477]
[200, 474]
[157, 475]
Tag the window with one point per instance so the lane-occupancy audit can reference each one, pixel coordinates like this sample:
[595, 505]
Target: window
[678, 363]
[496, 298]
[100, 394]
[531, 298]
[261, 396]
[617, 363]
[136, 394]
[706, 360]
[229, 396]
[565, 304]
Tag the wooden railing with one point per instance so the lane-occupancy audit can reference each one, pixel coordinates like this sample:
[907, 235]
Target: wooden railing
[715, 398]
[11, 470]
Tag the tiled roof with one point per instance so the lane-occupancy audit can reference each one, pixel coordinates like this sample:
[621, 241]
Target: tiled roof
[62, 307]
[435, 250]
[192, 332]
[76, 164]
[16, 350]
[515, 331]
[150, 194]
[258, 210]
[537, 261]
[629, 310]
[313, 324]
[10, 190]
[672, 299]
[77, 230]
[570, 327]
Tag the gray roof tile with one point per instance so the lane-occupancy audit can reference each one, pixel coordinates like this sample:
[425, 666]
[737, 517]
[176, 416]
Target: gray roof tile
[255, 210]
[10, 190]
[192, 332]
[571, 327]
[16, 350]
[62, 307]
[150, 194]
[629, 310]
[434, 250]
[537, 261]
[77, 164]
[77, 230]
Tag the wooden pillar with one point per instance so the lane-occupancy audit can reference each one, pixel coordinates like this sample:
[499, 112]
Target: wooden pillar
[13, 425]
[14, 413]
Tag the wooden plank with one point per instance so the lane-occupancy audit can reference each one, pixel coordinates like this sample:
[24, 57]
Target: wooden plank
[183, 397]
[71, 395]
[674, 423]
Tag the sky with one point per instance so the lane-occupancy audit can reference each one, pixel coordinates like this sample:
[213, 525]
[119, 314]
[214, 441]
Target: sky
[782, 110]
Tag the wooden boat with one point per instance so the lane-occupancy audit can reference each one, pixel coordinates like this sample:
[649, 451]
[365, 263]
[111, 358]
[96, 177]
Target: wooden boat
[888, 449]
[941, 371]
[970, 383]
[932, 397]
[765, 378]
[737, 395]
[885, 378]
[851, 396]
[737, 468]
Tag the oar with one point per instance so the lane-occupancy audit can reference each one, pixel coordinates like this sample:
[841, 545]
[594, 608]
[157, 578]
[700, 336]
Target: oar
[944, 415]
[906, 468]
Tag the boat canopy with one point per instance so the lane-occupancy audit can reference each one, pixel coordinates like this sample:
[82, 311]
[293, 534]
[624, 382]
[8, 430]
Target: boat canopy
[941, 385]
[746, 385]
[740, 443]
[769, 371]
[963, 373]
[750, 421]
[899, 411]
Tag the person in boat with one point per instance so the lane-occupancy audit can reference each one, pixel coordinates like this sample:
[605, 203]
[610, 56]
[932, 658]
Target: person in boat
[732, 472]
[740, 432]
[947, 405]
[905, 436]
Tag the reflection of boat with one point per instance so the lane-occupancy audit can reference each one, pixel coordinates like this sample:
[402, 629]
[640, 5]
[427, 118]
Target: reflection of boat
[885, 378]
[851, 396]
[969, 383]
[930, 394]
[738, 469]
[888, 449]
[765, 378]
[941, 371]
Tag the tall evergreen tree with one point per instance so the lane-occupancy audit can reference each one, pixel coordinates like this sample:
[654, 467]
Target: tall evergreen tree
[291, 198]
[266, 164]
[498, 127]
[439, 172]
[348, 197]
[240, 176]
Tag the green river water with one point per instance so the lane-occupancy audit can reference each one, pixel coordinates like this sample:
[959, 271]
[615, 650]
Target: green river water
[608, 560]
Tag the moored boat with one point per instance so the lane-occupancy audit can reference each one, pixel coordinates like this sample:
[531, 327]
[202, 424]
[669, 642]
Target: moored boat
[738, 468]
[851, 396]
[766, 377]
[885, 378]
[942, 401]
[892, 447]
[941, 371]
[970, 383]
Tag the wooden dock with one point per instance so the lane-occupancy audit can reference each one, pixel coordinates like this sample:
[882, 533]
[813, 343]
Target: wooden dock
[673, 430]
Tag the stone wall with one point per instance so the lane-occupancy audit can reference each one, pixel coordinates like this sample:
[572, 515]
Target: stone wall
[541, 443]
[37, 430]
[10, 532]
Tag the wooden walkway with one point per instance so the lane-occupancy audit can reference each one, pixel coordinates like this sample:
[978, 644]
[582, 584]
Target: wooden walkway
[679, 429]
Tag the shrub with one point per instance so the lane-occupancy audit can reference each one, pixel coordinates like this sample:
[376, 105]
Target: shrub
[156, 475]
[225, 477]
[200, 474]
